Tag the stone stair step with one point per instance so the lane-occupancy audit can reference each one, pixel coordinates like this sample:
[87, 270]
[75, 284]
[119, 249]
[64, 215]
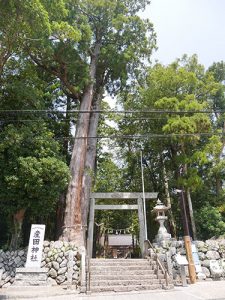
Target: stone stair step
[127, 282]
[134, 276]
[161, 275]
[120, 262]
[119, 259]
[118, 271]
[121, 275]
[120, 288]
[122, 269]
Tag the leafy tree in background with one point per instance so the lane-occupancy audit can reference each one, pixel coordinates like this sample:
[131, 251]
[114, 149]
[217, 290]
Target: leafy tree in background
[33, 170]
[183, 86]
[32, 177]
[210, 205]
[20, 21]
[210, 222]
[216, 147]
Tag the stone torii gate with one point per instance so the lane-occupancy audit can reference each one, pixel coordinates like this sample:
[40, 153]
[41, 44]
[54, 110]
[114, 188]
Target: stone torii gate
[118, 196]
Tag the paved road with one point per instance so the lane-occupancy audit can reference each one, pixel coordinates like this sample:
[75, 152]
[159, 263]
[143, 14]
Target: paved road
[209, 290]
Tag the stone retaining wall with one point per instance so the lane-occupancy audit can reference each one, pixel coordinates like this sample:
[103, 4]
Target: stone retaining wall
[55, 259]
[208, 250]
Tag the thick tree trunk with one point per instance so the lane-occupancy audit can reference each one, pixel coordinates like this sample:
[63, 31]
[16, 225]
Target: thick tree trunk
[191, 214]
[219, 183]
[73, 229]
[152, 175]
[17, 224]
[60, 215]
[62, 198]
[190, 208]
[90, 156]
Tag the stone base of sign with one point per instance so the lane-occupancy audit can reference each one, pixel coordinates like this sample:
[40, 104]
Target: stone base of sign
[31, 277]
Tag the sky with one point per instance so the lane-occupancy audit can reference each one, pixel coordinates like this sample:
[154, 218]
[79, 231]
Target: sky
[188, 26]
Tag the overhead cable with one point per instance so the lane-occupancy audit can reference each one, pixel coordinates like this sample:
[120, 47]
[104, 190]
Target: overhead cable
[143, 136]
[113, 111]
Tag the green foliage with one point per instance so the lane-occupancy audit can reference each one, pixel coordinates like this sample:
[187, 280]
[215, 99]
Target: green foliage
[180, 91]
[22, 87]
[125, 41]
[108, 175]
[210, 222]
[33, 174]
[20, 21]
[183, 86]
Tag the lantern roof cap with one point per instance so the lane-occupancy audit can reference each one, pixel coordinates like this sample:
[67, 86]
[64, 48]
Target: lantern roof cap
[160, 206]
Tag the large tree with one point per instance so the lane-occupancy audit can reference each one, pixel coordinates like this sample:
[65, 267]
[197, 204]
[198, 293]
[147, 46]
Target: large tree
[93, 46]
[119, 43]
[179, 96]
[87, 47]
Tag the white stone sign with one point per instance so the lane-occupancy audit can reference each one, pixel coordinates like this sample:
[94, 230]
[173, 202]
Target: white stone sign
[197, 262]
[35, 247]
[181, 259]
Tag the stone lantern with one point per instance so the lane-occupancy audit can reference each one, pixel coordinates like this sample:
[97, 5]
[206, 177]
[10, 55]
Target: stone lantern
[160, 210]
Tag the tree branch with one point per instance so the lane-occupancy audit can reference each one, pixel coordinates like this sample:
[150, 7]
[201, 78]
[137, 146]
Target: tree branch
[67, 88]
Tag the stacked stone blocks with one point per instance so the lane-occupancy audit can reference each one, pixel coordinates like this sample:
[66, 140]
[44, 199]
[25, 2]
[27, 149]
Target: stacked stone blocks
[55, 261]
[208, 250]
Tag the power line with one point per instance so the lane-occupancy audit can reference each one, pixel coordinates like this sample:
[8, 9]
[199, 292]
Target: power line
[113, 111]
[74, 119]
[36, 120]
[143, 136]
[149, 136]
